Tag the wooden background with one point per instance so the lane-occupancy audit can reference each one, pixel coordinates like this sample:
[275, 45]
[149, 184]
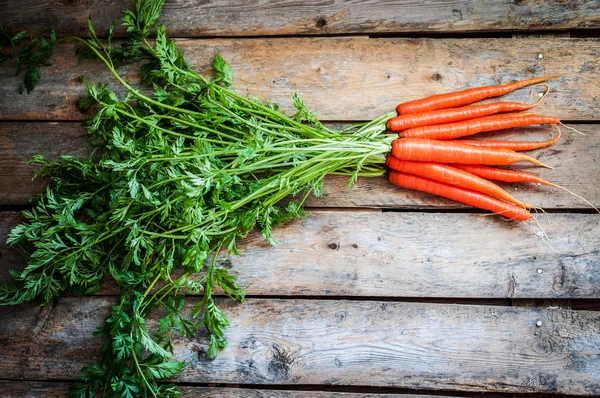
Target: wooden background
[380, 292]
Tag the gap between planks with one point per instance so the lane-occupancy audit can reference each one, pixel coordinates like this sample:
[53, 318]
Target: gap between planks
[56, 389]
[59, 389]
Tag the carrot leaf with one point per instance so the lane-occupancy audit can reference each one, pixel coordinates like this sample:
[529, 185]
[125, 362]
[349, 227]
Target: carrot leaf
[184, 170]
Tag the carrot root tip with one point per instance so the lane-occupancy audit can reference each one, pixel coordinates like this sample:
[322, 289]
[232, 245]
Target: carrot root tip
[541, 233]
[572, 128]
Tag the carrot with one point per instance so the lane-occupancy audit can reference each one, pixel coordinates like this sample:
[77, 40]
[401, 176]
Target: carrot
[453, 176]
[512, 145]
[457, 194]
[479, 125]
[492, 173]
[451, 115]
[464, 97]
[426, 150]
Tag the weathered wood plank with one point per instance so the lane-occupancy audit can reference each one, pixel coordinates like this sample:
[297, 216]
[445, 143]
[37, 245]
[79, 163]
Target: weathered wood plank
[41, 389]
[187, 18]
[346, 78]
[423, 255]
[411, 255]
[16, 336]
[575, 158]
[19, 142]
[405, 345]
[26, 326]
[33, 389]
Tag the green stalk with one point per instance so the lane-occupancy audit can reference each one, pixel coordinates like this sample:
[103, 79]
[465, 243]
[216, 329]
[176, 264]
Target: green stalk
[205, 168]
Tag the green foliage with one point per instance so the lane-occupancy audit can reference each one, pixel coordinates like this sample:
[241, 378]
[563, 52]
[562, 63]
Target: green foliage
[181, 175]
[223, 72]
[28, 54]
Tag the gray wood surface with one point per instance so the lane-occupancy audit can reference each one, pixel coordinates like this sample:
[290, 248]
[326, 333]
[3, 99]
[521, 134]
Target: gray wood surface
[346, 78]
[408, 345]
[345, 257]
[186, 18]
[574, 157]
[424, 255]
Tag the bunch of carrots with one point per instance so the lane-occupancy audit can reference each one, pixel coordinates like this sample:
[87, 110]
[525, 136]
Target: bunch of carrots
[429, 157]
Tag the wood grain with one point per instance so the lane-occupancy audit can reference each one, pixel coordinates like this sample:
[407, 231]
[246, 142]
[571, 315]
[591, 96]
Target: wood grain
[33, 389]
[187, 18]
[574, 158]
[41, 389]
[410, 255]
[19, 142]
[423, 255]
[345, 78]
[404, 345]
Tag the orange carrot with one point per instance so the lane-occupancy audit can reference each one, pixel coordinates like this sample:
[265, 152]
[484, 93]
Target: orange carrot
[464, 97]
[479, 125]
[425, 150]
[512, 145]
[457, 194]
[453, 176]
[443, 116]
[492, 173]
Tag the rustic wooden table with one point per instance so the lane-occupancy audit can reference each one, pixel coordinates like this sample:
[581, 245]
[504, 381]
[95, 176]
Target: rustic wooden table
[380, 290]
